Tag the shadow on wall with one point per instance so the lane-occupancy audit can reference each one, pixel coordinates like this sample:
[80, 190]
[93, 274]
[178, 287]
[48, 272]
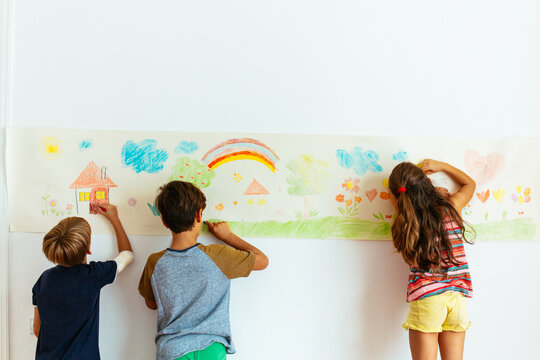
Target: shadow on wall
[383, 308]
[127, 327]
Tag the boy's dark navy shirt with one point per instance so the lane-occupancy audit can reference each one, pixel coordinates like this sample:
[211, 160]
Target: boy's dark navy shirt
[68, 304]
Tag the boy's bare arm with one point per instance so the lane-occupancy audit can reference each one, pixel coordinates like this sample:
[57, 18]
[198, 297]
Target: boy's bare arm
[111, 213]
[37, 322]
[222, 231]
[150, 304]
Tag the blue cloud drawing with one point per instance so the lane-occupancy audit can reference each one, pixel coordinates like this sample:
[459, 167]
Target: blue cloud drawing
[400, 156]
[360, 161]
[144, 156]
[186, 147]
[85, 144]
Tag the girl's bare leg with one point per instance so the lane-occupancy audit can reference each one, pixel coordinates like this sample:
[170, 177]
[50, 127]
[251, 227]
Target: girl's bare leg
[451, 344]
[423, 345]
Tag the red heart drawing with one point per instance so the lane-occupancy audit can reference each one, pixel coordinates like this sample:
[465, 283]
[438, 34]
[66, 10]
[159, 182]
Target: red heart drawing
[371, 194]
[483, 196]
[483, 168]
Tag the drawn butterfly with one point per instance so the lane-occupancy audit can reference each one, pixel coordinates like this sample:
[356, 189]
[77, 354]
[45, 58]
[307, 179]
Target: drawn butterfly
[237, 177]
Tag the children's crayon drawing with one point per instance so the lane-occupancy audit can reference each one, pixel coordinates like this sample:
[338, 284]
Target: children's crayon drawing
[483, 168]
[264, 185]
[92, 187]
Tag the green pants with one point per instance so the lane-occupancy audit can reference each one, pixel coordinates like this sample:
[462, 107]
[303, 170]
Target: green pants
[216, 351]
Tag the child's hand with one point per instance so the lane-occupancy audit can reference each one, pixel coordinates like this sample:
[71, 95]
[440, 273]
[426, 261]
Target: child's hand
[108, 210]
[444, 192]
[219, 229]
[430, 166]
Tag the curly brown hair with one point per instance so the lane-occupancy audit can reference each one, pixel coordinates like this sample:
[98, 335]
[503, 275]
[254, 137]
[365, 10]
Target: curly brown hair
[418, 231]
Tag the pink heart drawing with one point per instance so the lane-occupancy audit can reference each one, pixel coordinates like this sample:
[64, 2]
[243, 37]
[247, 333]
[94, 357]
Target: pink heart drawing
[514, 197]
[371, 194]
[483, 168]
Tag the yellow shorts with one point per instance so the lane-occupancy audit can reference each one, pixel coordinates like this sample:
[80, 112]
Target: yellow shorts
[443, 312]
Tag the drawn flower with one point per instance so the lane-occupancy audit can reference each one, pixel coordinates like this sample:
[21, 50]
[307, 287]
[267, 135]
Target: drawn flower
[132, 202]
[348, 202]
[52, 203]
[351, 185]
[357, 199]
[219, 207]
[69, 207]
[340, 198]
[384, 195]
[526, 197]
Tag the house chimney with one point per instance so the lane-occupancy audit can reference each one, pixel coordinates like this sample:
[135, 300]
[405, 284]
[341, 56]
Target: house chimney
[103, 172]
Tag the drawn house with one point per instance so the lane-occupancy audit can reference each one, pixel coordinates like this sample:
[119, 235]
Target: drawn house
[92, 185]
[256, 193]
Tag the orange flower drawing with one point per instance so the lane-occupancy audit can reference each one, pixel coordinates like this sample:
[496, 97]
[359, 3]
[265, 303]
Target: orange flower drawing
[340, 198]
[351, 185]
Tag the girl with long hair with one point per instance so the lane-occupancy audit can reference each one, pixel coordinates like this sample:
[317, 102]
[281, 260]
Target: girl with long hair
[428, 232]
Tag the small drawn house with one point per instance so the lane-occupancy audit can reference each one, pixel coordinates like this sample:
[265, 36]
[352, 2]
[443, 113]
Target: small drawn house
[256, 193]
[92, 185]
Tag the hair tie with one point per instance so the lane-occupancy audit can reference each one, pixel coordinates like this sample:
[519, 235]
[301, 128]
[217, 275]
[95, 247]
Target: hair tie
[401, 189]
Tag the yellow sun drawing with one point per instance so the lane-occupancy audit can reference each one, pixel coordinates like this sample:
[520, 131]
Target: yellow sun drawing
[49, 147]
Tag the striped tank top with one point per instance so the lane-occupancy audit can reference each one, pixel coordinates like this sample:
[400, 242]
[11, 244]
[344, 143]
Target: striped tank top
[423, 283]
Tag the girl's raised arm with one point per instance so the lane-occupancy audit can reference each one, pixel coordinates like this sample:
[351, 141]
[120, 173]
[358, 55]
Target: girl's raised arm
[465, 193]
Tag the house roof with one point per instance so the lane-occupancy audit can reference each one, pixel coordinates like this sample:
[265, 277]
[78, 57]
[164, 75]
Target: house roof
[255, 188]
[91, 177]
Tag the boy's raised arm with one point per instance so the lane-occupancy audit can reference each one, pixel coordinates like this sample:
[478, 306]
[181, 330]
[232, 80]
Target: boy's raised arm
[125, 251]
[222, 231]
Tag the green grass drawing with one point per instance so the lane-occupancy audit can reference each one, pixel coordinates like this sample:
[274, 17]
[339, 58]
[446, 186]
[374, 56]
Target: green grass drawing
[504, 230]
[340, 227]
[330, 227]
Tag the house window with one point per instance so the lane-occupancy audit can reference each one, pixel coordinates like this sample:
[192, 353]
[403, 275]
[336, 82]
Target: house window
[250, 201]
[262, 201]
[100, 195]
[84, 196]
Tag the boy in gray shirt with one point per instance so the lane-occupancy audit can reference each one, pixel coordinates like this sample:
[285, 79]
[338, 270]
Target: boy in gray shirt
[189, 283]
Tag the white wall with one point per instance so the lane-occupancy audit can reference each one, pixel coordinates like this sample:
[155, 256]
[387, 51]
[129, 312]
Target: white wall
[460, 69]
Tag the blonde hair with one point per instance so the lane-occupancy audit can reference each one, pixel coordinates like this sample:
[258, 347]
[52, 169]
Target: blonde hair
[67, 243]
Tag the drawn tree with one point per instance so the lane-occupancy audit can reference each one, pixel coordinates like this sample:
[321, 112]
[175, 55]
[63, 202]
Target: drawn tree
[308, 177]
[190, 170]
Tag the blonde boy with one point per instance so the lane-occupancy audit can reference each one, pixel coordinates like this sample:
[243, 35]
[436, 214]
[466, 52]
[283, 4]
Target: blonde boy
[66, 297]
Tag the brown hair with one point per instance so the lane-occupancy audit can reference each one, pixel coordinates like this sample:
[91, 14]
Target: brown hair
[67, 243]
[418, 230]
[178, 203]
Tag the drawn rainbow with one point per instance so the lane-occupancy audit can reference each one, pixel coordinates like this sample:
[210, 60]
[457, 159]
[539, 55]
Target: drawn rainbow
[240, 149]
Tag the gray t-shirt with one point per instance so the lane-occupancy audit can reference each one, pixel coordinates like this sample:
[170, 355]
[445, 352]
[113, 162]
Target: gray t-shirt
[191, 288]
